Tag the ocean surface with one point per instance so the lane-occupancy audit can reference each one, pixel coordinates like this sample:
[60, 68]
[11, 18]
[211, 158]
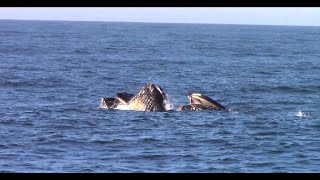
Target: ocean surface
[53, 74]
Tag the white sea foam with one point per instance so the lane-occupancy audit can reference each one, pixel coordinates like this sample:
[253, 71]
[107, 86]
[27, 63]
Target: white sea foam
[301, 114]
[122, 107]
[169, 105]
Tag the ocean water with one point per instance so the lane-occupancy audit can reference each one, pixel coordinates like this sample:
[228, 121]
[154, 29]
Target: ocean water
[53, 74]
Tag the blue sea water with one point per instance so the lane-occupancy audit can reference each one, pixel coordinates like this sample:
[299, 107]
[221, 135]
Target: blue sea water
[53, 74]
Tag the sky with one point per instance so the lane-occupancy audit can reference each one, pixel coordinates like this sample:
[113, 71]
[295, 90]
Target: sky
[296, 16]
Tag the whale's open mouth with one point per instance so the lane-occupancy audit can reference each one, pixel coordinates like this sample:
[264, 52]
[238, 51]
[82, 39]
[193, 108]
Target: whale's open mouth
[200, 99]
[124, 97]
[150, 98]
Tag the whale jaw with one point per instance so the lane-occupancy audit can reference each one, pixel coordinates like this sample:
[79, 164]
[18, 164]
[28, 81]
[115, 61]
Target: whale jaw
[108, 103]
[149, 98]
[201, 102]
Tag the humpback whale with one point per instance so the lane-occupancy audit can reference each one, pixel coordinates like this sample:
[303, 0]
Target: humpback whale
[201, 102]
[150, 98]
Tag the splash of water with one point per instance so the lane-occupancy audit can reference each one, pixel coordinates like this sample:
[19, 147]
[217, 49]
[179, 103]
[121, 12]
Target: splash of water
[122, 107]
[169, 105]
[302, 114]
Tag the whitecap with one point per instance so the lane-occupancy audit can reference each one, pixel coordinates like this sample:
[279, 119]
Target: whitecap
[302, 114]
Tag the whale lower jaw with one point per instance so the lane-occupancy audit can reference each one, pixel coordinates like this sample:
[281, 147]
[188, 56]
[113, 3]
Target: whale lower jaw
[142, 107]
[136, 105]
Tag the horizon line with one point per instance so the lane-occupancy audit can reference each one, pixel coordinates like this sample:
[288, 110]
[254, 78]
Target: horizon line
[204, 23]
